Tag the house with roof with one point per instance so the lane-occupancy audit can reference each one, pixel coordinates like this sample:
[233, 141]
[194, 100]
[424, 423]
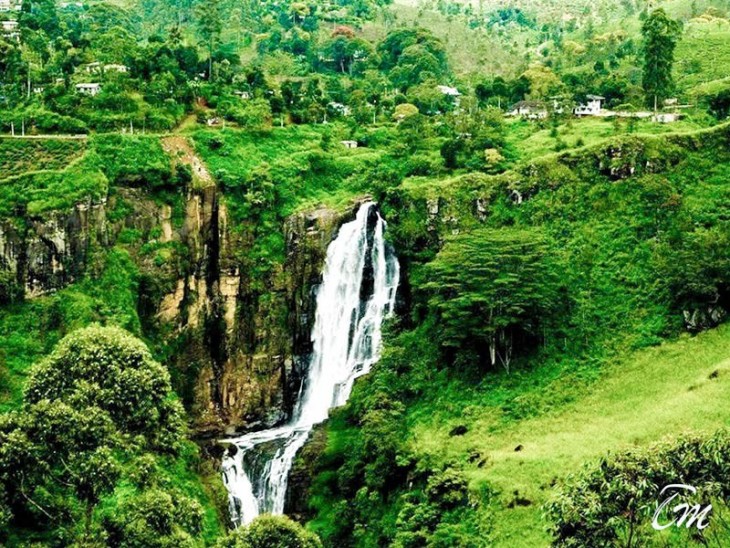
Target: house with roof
[5, 5]
[88, 88]
[591, 107]
[530, 110]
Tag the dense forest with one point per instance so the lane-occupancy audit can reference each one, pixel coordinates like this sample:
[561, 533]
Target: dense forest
[517, 214]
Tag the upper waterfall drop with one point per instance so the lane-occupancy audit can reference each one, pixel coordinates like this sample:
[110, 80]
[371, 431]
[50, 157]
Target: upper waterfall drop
[359, 283]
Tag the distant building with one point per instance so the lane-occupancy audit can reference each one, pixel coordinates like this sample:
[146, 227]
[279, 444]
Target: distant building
[531, 110]
[5, 5]
[452, 92]
[592, 106]
[349, 144]
[94, 67]
[666, 117]
[38, 90]
[448, 90]
[116, 68]
[9, 26]
[88, 89]
[245, 95]
[339, 108]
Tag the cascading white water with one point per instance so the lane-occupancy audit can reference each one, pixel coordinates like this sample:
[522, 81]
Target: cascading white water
[346, 337]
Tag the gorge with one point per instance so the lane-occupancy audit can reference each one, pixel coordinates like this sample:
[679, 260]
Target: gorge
[357, 293]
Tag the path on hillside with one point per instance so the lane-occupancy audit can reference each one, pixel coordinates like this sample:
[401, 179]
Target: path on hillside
[180, 150]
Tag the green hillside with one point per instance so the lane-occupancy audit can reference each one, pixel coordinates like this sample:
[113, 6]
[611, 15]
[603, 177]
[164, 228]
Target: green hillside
[552, 177]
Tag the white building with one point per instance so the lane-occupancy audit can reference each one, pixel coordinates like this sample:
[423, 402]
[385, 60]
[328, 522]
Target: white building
[592, 106]
[666, 117]
[531, 110]
[349, 144]
[113, 67]
[244, 95]
[5, 5]
[10, 26]
[452, 92]
[88, 89]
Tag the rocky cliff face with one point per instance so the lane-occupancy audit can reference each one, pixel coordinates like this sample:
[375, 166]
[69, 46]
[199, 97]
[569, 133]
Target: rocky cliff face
[237, 347]
[250, 346]
[40, 255]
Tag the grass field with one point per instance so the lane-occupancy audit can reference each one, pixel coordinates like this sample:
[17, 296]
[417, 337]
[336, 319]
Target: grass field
[680, 386]
[529, 140]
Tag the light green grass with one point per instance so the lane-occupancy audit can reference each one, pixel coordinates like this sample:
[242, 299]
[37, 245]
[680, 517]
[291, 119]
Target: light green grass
[530, 140]
[648, 395]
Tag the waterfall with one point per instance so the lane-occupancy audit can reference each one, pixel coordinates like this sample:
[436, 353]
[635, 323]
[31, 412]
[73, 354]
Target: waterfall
[358, 289]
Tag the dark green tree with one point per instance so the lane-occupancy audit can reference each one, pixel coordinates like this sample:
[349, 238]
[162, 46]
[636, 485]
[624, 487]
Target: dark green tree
[660, 34]
[488, 288]
[209, 16]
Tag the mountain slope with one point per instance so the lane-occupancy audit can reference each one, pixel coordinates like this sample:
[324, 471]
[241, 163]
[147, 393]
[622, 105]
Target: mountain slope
[677, 387]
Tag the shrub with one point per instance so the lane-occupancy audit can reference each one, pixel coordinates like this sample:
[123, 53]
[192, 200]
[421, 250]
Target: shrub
[269, 531]
[607, 503]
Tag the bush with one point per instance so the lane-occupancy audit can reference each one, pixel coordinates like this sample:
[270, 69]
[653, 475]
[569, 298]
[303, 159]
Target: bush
[133, 160]
[109, 369]
[607, 503]
[268, 532]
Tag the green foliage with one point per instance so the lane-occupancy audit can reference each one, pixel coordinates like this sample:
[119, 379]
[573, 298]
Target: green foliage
[109, 370]
[598, 241]
[254, 115]
[489, 289]
[20, 155]
[156, 518]
[133, 160]
[94, 405]
[39, 192]
[611, 502]
[30, 330]
[660, 39]
[267, 531]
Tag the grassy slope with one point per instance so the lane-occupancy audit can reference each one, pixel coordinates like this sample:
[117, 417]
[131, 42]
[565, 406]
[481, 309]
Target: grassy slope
[641, 398]
[530, 141]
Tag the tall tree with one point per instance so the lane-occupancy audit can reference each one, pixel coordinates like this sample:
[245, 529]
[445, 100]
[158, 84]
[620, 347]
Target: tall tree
[660, 38]
[209, 16]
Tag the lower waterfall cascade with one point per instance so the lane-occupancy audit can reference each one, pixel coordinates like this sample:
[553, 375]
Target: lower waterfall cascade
[359, 283]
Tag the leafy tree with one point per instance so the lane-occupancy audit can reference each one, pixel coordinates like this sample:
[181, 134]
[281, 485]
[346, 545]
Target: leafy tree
[269, 531]
[96, 400]
[154, 518]
[404, 110]
[209, 16]
[605, 503]
[489, 288]
[660, 34]
[109, 369]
